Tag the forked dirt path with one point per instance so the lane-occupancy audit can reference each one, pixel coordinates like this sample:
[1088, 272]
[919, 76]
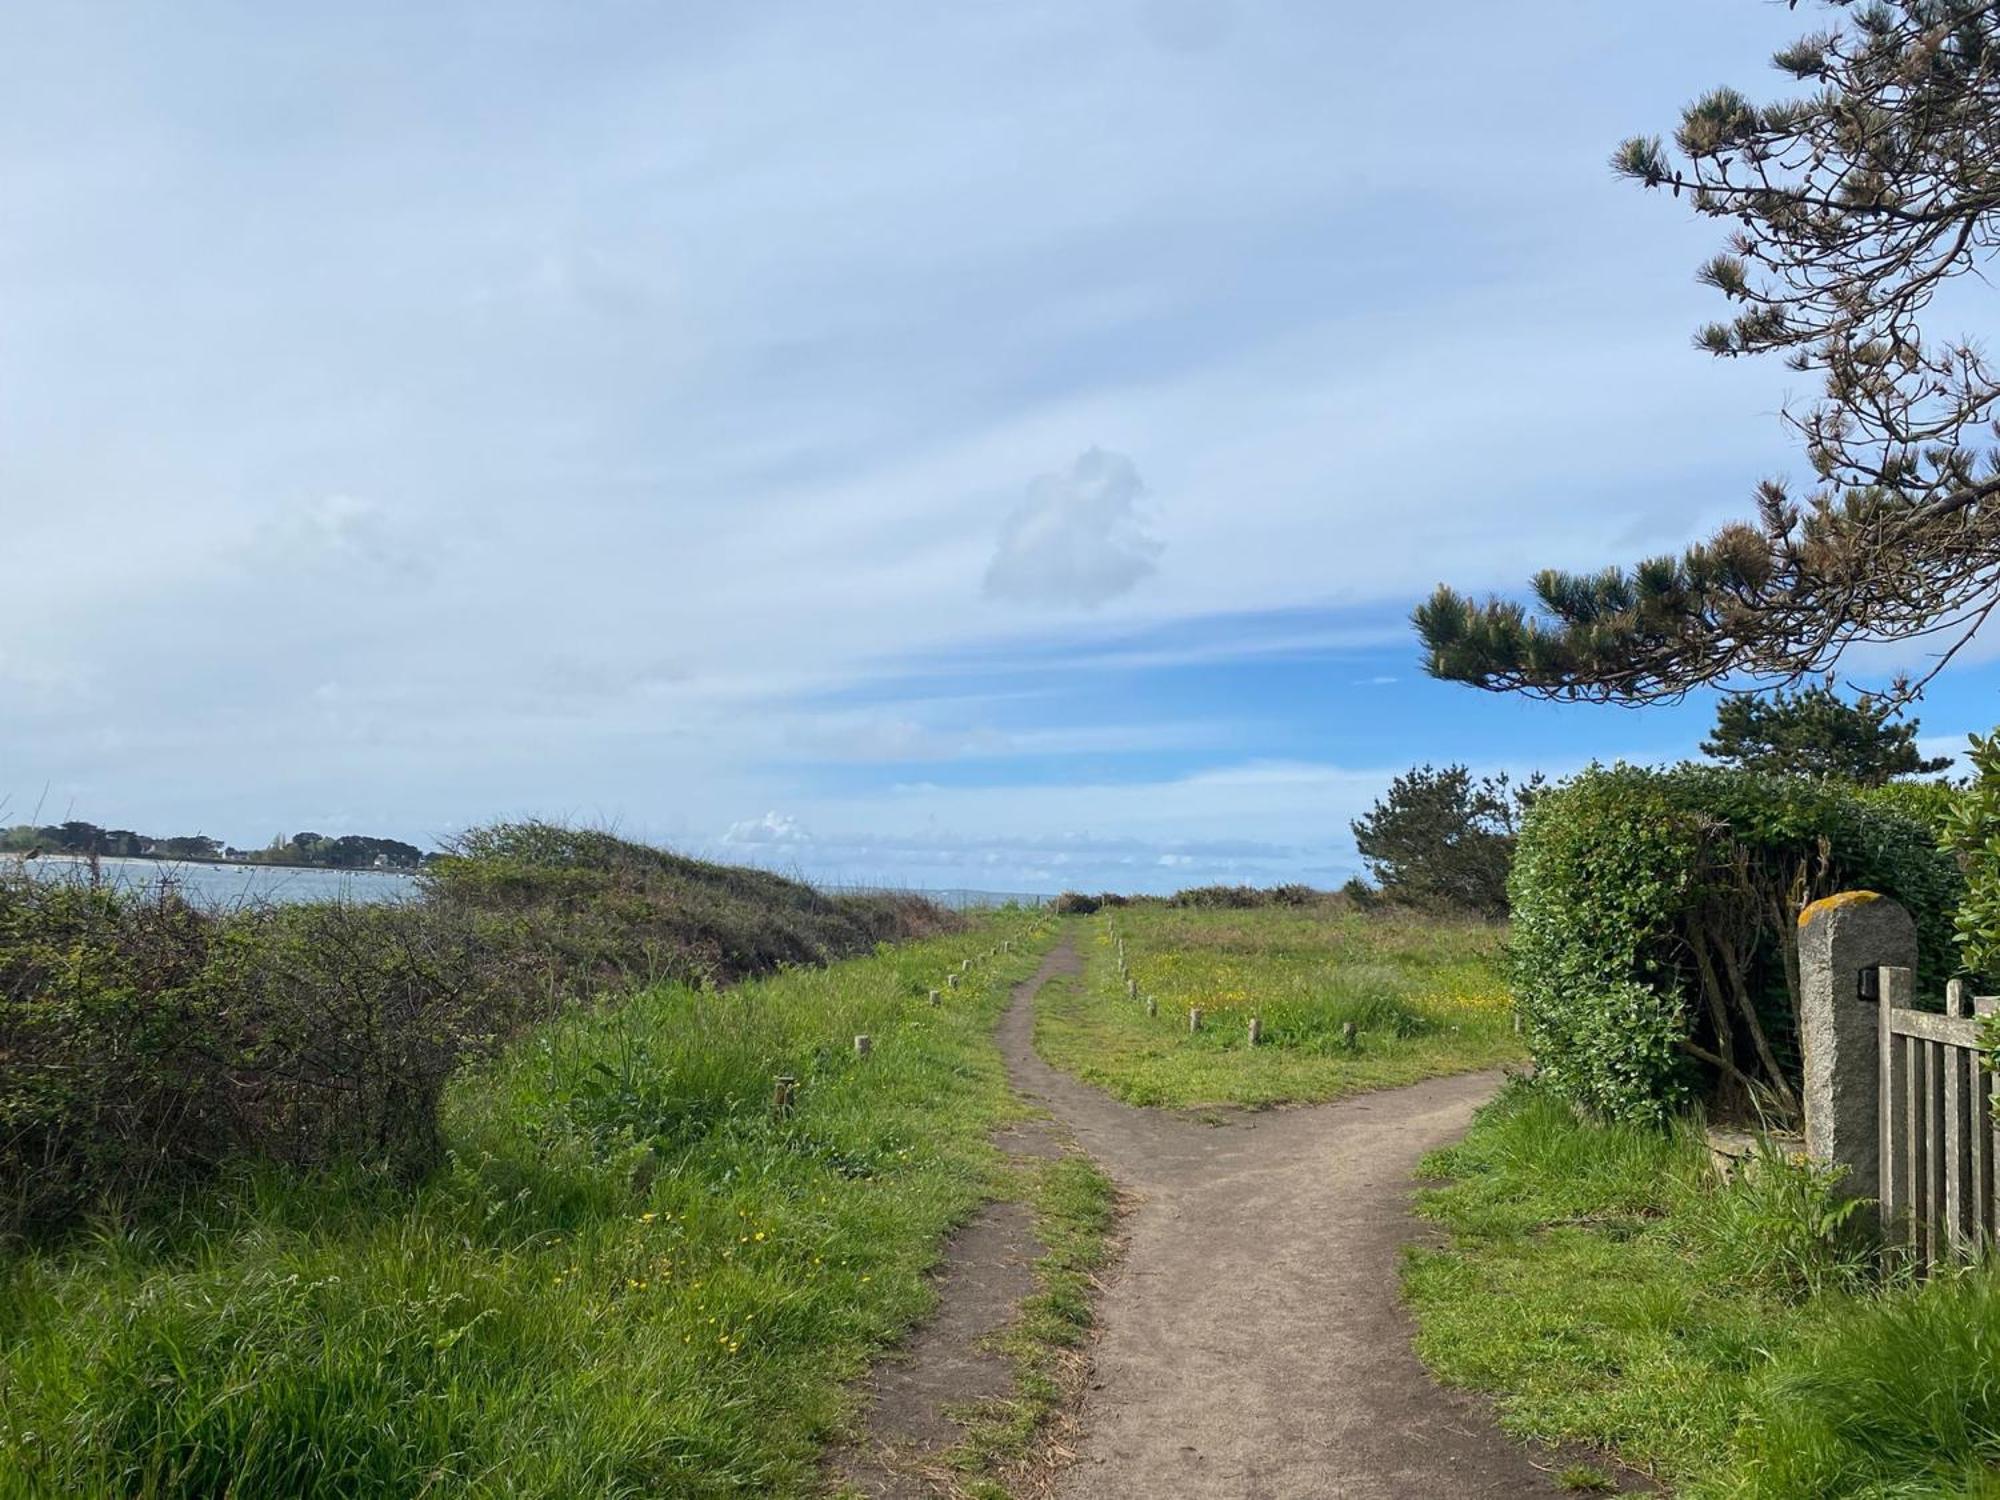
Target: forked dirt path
[1253, 1343]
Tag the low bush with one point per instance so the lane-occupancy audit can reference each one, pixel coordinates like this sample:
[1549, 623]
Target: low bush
[144, 1041]
[1249, 897]
[1652, 950]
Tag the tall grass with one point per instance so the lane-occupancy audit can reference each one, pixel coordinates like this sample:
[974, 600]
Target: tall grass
[1346, 1000]
[627, 1278]
[1734, 1338]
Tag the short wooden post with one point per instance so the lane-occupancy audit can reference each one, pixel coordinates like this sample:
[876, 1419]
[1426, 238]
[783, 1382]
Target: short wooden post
[1348, 1036]
[936, 999]
[782, 1089]
[1131, 989]
[863, 1045]
[1256, 1031]
[1194, 1018]
[1152, 1005]
[951, 981]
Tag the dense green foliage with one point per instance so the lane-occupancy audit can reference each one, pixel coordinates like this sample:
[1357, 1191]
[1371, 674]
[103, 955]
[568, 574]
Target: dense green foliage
[1654, 913]
[627, 1277]
[1972, 831]
[1816, 732]
[1733, 1339]
[147, 1041]
[1442, 839]
[348, 851]
[1423, 996]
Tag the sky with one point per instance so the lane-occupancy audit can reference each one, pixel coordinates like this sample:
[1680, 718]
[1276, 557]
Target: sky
[985, 445]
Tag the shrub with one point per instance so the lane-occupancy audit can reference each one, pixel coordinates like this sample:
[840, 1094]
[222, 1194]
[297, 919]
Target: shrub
[1075, 904]
[1653, 954]
[144, 1041]
[1440, 839]
[1930, 803]
[1248, 897]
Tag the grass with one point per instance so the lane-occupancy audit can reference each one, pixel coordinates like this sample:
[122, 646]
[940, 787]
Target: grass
[628, 1278]
[1075, 1209]
[1734, 1340]
[1424, 997]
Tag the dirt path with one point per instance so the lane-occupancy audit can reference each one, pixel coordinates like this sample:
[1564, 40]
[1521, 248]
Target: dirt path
[1253, 1343]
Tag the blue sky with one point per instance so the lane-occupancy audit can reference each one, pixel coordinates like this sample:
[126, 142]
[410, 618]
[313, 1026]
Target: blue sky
[986, 444]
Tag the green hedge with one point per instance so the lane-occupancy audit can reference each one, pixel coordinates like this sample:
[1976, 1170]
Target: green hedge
[1654, 913]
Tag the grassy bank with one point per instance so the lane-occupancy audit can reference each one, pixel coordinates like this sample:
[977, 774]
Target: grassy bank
[1423, 997]
[1733, 1340]
[626, 1278]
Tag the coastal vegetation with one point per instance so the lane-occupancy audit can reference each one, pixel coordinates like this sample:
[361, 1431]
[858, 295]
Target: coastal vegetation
[628, 1272]
[1736, 1339]
[150, 1042]
[1345, 1000]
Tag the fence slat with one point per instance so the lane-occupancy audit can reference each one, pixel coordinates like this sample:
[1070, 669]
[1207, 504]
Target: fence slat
[1936, 1229]
[1913, 1146]
[1954, 1031]
[1892, 1198]
[1961, 1069]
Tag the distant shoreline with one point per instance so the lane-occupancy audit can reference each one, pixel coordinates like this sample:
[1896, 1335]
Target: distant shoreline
[206, 864]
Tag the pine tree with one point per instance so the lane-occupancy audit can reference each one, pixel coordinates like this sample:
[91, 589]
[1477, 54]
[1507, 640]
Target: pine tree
[1848, 208]
[1818, 733]
[1441, 839]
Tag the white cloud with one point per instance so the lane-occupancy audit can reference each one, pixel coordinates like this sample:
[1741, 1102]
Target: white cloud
[1078, 541]
[773, 830]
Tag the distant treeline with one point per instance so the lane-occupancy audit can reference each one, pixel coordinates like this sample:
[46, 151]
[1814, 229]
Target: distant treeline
[347, 851]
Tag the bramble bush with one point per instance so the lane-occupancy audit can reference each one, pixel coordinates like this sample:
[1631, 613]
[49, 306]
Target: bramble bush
[1652, 952]
[145, 1041]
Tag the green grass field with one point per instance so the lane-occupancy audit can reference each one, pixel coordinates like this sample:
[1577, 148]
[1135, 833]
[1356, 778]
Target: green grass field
[629, 1278]
[1425, 997]
[1735, 1341]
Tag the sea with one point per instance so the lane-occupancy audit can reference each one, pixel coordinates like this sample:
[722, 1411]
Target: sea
[230, 885]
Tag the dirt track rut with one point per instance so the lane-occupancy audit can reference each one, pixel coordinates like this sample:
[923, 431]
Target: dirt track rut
[1253, 1345]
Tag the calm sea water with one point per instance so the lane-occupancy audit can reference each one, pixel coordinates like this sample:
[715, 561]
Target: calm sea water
[234, 885]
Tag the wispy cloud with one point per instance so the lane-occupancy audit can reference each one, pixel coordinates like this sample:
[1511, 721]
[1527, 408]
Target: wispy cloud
[1078, 541]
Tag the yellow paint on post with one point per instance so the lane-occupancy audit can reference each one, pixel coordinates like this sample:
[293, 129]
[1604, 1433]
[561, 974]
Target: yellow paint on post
[1836, 901]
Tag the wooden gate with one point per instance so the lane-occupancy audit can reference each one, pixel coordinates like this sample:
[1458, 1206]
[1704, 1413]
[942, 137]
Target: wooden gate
[1938, 1141]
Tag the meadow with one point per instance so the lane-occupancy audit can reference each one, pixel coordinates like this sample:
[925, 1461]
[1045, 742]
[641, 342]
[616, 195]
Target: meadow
[1347, 1000]
[631, 1274]
[1735, 1340]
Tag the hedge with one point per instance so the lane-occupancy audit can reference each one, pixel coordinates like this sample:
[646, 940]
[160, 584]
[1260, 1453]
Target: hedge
[1653, 953]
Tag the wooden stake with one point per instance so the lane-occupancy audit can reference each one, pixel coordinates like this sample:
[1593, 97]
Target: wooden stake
[1194, 1019]
[1131, 989]
[1256, 1031]
[863, 1045]
[935, 1000]
[782, 1088]
[1347, 1033]
[951, 981]
[1152, 1005]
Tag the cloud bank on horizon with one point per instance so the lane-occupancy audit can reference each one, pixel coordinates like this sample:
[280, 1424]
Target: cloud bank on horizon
[729, 422]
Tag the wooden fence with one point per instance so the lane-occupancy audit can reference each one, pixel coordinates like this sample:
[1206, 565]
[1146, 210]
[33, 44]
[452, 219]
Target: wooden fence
[1937, 1128]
